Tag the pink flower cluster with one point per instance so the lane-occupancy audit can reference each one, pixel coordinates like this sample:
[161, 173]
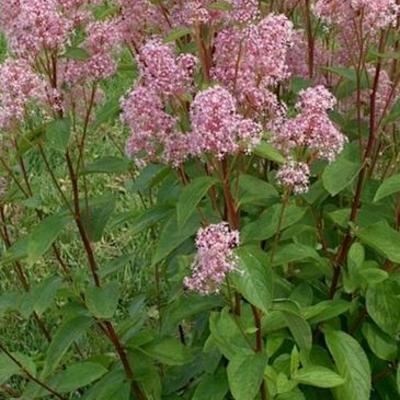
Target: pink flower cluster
[19, 85]
[217, 127]
[33, 25]
[137, 19]
[373, 14]
[312, 128]
[251, 60]
[165, 72]
[143, 112]
[102, 38]
[295, 176]
[214, 259]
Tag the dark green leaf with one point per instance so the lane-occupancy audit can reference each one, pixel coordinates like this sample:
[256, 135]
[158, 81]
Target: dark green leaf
[102, 302]
[176, 34]
[339, 174]
[383, 305]
[255, 279]
[388, 187]
[58, 133]
[108, 165]
[191, 196]
[76, 53]
[382, 345]
[67, 333]
[212, 387]
[256, 191]
[382, 238]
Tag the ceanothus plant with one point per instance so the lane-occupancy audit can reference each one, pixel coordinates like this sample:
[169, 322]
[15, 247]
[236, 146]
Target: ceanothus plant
[247, 153]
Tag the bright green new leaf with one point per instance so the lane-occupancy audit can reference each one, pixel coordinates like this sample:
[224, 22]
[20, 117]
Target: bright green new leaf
[245, 375]
[352, 364]
[318, 376]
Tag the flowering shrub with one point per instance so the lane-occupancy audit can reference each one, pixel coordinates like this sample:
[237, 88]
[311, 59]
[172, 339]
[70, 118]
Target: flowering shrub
[252, 164]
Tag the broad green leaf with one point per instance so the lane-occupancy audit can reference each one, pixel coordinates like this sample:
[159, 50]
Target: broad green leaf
[373, 275]
[42, 296]
[256, 191]
[76, 53]
[352, 364]
[58, 133]
[67, 333]
[112, 385]
[266, 225]
[8, 302]
[149, 177]
[107, 113]
[191, 196]
[394, 114]
[176, 34]
[318, 376]
[96, 216]
[186, 306]
[254, 279]
[398, 378]
[381, 344]
[295, 394]
[212, 387]
[292, 252]
[169, 351]
[108, 165]
[267, 151]
[172, 236]
[300, 329]
[339, 174]
[245, 375]
[102, 302]
[388, 187]
[140, 221]
[325, 310]
[76, 376]
[44, 235]
[227, 335]
[8, 368]
[382, 238]
[383, 306]
[31, 138]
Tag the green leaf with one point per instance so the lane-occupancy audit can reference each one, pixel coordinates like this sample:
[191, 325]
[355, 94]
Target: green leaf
[318, 376]
[382, 238]
[58, 133]
[212, 387]
[220, 6]
[352, 364]
[383, 306]
[256, 191]
[227, 335]
[382, 345]
[67, 333]
[107, 113]
[191, 196]
[245, 375]
[339, 174]
[112, 385]
[44, 235]
[325, 310]
[388, 187]
[169, 351]
[76, 53]
[76, 376]
[102, 302]
[300, 329]
[96, 216]
[267, 151]
[267, 224]
[43, 295]
[254, 279]
[172, 236]
[398, 378]
[394, 114]
[142, 220]
[108, 165]
[149, 176]
[8, 368]
[186, 306]
[176, 34]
